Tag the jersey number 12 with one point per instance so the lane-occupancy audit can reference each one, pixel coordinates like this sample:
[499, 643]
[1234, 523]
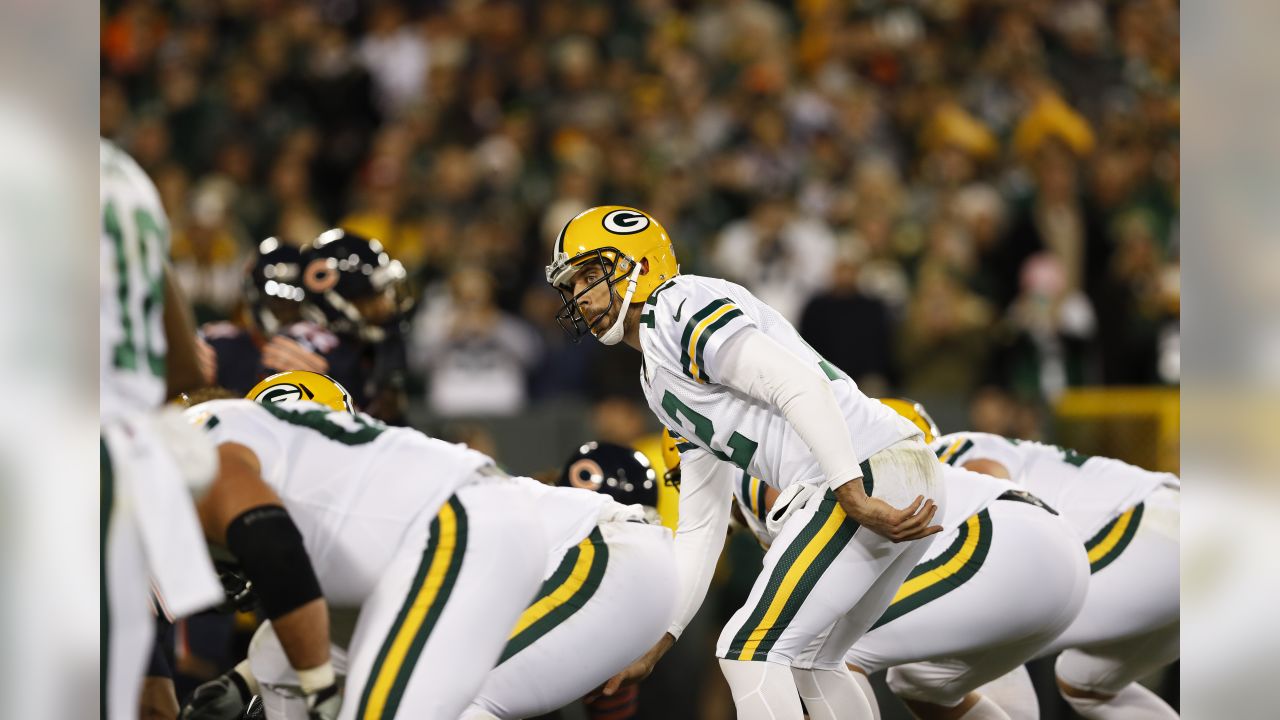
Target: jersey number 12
[740, 448]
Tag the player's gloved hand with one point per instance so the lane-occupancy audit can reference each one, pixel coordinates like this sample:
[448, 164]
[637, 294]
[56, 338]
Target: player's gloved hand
[324, 703]
[222, 698]
[324, 696]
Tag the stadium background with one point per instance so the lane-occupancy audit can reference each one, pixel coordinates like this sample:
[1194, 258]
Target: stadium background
[971, 202]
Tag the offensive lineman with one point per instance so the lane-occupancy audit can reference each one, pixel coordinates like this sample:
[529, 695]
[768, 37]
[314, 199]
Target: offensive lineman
[323, 506]
[151, 461]
[736, 379]
[603, 558]
[1128, 520]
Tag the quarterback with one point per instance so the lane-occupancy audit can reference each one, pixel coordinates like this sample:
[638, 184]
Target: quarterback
[1004, 578]
[728, 373]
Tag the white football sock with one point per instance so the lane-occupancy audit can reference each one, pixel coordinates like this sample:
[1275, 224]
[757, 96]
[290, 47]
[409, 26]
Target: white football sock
[1134, 702]
[832, 695]
[1014, 693]
[864, 683]
[762, 690]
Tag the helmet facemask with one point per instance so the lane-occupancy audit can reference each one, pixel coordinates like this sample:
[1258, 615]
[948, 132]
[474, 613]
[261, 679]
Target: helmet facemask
[614, 268]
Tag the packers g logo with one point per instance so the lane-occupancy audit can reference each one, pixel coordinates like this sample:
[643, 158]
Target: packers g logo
[625, 222]
[284, 392]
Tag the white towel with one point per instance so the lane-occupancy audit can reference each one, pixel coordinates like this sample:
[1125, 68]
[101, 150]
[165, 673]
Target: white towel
[152, 489]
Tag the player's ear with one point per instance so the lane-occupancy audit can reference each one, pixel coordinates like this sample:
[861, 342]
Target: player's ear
[644, 266]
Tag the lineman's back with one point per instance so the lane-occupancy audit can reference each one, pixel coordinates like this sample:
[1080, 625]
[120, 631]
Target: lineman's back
[352, 485]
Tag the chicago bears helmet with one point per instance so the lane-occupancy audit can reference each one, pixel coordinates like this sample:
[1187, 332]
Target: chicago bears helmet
[350, 284]
[621, 240]
[273, 286]
[616, 470]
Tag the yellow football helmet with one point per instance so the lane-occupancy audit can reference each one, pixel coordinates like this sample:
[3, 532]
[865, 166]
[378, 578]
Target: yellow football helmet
[915, 412]
[621, 239]
[670, 458]
[302, 385]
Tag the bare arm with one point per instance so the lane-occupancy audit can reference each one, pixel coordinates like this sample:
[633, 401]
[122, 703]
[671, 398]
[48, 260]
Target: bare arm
[182, 368]
[239, 488]
[988, 467]
[706, 493]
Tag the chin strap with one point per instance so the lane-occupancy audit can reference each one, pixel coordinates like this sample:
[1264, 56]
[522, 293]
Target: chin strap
[614, 334]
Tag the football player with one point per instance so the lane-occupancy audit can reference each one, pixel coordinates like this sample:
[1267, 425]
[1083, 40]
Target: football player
[1127, 518]
[603, 557]
[732, 376]
[1004, 578]
[626, 475]
[269, 333]
[356, 290]
[319, 504]
[150, 461]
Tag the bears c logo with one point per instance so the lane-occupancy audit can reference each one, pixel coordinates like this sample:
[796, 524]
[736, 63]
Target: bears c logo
[319, 276]
[586, 474]
[625, 222]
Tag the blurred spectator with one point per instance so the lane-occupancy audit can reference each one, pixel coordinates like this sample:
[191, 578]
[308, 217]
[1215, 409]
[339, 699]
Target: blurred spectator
[1139, 302]
[474, 356]
[851, 330]
[396, 55]
[1055, 219]
[209, 252]
[1045, 332]
[943, 344]
[782, 256]
[964, 135]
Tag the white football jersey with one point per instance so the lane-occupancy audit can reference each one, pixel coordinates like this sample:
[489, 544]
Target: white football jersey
[1088, 492]
[684, 324]
[133, 248]
[352, 485]
[967, 494]
[567, 515]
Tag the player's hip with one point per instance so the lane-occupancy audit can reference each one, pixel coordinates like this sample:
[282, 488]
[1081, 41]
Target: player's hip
[1011, 572]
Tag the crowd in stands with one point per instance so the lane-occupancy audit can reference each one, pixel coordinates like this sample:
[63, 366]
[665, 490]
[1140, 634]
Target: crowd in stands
[966, 198]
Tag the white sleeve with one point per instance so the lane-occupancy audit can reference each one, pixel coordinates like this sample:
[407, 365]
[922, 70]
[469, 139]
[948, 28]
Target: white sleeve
[753, 363]
[706, 494]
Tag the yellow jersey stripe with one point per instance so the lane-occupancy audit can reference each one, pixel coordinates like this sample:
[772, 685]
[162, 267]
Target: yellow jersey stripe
[922, 582]
[560, 595]
[422, 602]
[950, 451]
[697, 333]
[789, 581]
[1097, 552]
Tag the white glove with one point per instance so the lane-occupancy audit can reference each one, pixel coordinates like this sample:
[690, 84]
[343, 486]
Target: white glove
[190, 447]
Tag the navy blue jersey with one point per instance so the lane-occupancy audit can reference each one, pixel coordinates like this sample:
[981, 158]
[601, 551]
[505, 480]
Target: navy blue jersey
[372, 373]
[240, 365]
